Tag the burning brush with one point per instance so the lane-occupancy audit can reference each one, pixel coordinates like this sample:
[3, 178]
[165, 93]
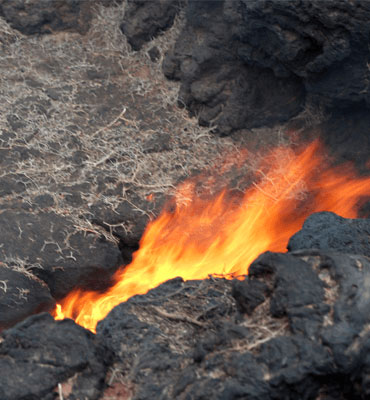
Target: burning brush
[221, 234]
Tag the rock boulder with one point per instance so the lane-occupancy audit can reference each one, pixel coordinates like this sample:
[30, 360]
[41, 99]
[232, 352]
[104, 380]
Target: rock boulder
[47, 16]
[41, 358]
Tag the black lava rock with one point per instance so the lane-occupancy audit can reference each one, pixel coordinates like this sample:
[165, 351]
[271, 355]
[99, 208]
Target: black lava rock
[133, 214]
[46, 16]
[306, 336]
[249, 294]
[39, 354]
[146, 19]
[347, 133]
[329, 231]
[21, 294]
[248, 63]
[216, 83]
[287, 357]
[54, 251]
[324, 43]
[154, 53]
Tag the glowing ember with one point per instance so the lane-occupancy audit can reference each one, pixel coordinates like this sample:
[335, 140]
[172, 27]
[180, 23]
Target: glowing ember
[195, 237]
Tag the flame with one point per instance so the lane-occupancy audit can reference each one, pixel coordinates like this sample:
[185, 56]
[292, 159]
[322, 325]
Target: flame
[195, 237]
[150, 197]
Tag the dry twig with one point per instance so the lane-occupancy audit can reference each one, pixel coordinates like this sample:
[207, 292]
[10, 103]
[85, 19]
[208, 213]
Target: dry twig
[177, 317]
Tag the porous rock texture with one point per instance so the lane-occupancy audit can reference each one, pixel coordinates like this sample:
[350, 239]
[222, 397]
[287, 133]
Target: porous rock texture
[296, 328]
[41, 359]
[47, 16]
[327, 230]
[216, 83]
[146, 19]
[247, 63]
[324, 43]
[91, 143]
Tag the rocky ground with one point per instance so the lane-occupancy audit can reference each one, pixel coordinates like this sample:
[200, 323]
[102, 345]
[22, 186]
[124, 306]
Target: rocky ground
[94, 138]
[89, 129]
[298, 327]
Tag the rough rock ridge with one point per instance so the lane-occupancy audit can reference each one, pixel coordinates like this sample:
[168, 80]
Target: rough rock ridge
[248, 63]
[324, 43]
[47, 16]
[21, 295]
[216, 83]
[146, 19]
[41, 358]
[327, 230]
[297, 327]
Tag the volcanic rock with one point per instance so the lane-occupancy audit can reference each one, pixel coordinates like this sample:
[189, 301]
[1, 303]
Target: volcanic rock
[110, 3]
[329, 231]
[144, 20]
[322, 42]
[246, 63]
[134, 215]
[87, 159]
[39, 354]
[21, 295]
[347, 134]
[331, 308]
[217, 85]
[49, 246]
[160, 331]
[249, 294]
[154, 53]
[309, 328]
[47, 16]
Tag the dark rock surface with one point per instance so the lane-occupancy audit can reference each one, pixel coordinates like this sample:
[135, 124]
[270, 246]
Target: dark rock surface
[109, 3]
[324, 43]
[21, 295]
[89, 134]
[306, 337]
[91, 142]
[154, 53]
[324, 296]
[144, 20]
[216, 83]
[347, 134]
[329, 231]
[47, 16]
[244, 63]
[145, 341]
[39, 354]
[52, 250]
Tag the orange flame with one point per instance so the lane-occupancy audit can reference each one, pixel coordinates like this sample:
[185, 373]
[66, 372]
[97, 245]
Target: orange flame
[199, 237]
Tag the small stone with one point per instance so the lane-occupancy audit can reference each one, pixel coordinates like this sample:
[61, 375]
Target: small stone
[154, 53]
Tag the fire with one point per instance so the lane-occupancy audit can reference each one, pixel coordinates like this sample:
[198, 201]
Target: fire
[195, 237]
